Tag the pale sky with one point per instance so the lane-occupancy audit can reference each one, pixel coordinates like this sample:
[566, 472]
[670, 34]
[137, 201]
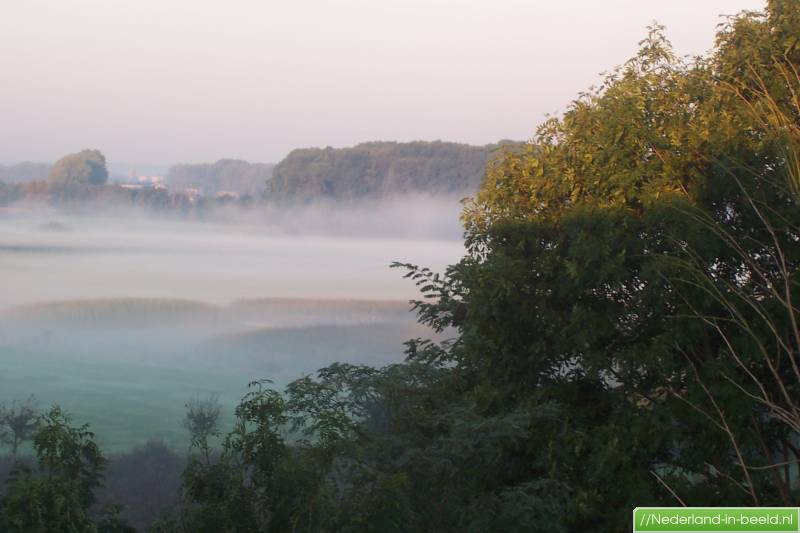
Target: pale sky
[168, 81]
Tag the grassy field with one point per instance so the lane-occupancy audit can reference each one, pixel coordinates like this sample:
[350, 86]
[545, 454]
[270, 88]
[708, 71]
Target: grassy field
[126, 404]
[132, 385]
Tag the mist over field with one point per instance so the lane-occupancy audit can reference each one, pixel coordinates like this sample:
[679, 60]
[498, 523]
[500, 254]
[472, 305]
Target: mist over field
[124, 318]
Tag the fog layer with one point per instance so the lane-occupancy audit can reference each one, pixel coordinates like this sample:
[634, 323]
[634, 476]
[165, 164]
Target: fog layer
[305, 253]
[123, 319]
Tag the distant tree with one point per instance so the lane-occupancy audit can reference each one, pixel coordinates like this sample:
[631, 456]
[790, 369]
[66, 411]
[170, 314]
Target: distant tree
[84, 167]
[381, 169]
[202, 422]
[18, 423]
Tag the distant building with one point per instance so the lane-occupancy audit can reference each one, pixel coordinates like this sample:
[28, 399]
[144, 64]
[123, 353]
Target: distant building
[192, 193]
[153, 181]
[227, 195]
[157, 182]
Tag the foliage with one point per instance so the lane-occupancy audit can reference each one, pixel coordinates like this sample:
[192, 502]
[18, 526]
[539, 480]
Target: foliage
[624, 267]
[202, 421]
[234, 492]
[87, 167]
[57, 496]
[379, 169]
[86, 198]
[373, 450]
[18, 423]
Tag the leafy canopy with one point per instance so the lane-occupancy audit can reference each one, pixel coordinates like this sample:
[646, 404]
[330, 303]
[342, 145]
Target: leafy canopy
[87, 167]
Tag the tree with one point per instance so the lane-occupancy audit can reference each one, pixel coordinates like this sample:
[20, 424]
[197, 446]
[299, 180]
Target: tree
[58, 495]
[202, 422]
[757, 324]
[18, 423]
[379, 169]
[235, 491]
[576, 288]
[87, 167]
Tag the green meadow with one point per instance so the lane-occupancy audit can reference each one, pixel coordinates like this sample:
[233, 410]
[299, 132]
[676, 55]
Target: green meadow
[127, 367]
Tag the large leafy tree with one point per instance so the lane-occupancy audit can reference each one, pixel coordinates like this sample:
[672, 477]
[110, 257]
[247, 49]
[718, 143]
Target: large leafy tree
[624, 267]
[87, 167]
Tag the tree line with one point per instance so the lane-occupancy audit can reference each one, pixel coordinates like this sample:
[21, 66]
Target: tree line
[79, 182]
[380, 170]
[367, 171]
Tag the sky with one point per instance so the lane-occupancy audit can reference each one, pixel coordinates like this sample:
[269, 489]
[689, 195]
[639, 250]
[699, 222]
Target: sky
[158, 82]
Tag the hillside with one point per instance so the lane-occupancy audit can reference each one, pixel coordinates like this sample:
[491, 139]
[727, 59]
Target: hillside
[379, 169]
[226, 175]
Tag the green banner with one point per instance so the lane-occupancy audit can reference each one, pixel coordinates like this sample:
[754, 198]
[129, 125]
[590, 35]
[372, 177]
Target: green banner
[721, 519]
